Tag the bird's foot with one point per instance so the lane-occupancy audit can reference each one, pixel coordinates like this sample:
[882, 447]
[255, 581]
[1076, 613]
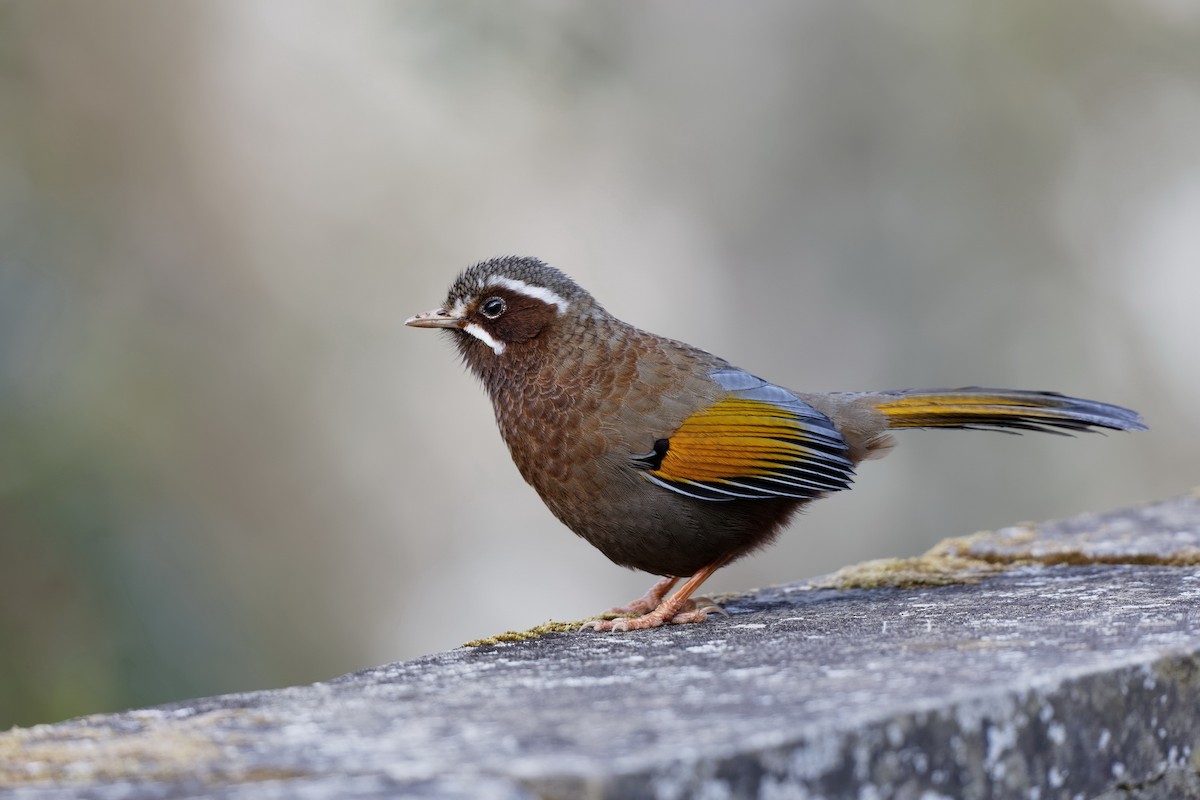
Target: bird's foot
[667, 613]
[651, 600]
[676, 609]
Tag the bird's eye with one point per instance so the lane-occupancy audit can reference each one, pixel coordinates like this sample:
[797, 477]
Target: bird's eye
[492, 307]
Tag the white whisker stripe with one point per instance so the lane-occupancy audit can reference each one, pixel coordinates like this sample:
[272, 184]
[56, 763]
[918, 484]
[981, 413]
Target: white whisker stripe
[482, 335]
[536, 292]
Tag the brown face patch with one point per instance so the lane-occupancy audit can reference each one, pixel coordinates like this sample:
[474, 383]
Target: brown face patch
[522, 319]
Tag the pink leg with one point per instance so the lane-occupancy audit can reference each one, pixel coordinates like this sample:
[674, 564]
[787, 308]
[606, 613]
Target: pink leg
[646, 603]
[678, 609]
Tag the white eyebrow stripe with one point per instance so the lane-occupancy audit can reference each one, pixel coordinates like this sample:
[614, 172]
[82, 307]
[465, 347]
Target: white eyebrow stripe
[536, 292]
[482, 335]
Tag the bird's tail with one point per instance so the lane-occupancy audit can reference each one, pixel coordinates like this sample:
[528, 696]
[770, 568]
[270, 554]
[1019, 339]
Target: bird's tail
[1002, 409]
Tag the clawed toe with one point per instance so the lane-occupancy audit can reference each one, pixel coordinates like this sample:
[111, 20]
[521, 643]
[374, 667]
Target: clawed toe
[698, 614]
[697, 611]
[652, 611]
[708, 605]
[618, 624]
[684, 614]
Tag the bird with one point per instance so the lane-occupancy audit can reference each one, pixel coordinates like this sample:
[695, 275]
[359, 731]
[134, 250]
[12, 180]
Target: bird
[669, 459]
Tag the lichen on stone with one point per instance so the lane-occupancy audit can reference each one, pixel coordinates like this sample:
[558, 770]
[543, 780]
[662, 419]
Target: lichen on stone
[535, 632]
[944, 564]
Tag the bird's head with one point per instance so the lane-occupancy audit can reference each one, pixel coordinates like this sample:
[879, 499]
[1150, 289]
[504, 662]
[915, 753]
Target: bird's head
[508, 307]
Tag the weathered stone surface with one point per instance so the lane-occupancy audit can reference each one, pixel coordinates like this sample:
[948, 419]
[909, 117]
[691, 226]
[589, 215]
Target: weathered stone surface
[1159, 533]
[1074, 680]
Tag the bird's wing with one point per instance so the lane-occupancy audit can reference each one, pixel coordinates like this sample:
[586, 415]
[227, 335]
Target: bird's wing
[759, 441]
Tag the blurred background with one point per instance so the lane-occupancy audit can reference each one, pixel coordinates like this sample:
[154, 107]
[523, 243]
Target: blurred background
[225, 463]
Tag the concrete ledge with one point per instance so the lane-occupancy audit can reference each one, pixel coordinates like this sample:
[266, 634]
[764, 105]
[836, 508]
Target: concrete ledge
[1060, 660]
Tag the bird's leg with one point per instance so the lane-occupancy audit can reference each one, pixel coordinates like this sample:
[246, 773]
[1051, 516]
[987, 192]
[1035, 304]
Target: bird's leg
[676, 609]
[646, 603]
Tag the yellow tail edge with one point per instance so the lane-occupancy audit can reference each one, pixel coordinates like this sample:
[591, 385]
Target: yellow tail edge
[1003, 409]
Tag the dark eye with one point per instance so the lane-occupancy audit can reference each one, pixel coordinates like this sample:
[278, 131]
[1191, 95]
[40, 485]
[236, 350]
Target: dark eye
[492, 307]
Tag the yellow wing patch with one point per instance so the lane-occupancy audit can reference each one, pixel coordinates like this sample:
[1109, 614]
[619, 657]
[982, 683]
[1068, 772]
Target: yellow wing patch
[745, 448]
[732, 439]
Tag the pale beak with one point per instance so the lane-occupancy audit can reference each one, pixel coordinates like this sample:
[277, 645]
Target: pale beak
[438, 318]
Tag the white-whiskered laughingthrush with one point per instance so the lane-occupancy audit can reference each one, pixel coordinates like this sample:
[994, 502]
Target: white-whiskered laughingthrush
[667, 458]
